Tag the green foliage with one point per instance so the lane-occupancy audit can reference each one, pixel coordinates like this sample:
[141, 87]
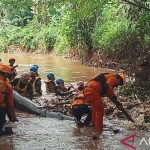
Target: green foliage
[108, 34]
[18, 12]
[61, 45]
[28, 37]
[76, 22]
[67, 32]
[108, 26]
[42, 37]
[47, 37]
[118, 28]
[31, 38]
[8, 35]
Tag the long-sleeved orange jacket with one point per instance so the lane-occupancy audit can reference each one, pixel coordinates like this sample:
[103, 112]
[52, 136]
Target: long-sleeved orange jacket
[6, 95]
[79, 100]
[99, 86]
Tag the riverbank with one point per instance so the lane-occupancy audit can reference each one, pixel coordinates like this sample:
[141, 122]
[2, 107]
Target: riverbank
[91, 60]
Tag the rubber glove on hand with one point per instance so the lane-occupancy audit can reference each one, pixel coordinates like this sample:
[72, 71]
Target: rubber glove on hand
[116, 102]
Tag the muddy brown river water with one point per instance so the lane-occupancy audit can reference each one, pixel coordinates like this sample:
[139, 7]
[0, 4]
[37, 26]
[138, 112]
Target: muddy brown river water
[34, 133]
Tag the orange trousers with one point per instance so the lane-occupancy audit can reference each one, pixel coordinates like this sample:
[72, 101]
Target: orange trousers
[93, 97]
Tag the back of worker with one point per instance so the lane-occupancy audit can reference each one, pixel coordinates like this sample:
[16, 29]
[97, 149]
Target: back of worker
[6, 97]
[99, 86]
[79, 108]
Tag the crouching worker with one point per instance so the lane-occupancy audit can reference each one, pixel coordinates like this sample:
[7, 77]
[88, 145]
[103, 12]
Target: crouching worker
[100, 86]
[23, 85]
[6, 99]
[36, 84]
[13, 72]
[61, 89]
[50, 83]
[79, 108]
[35, 68]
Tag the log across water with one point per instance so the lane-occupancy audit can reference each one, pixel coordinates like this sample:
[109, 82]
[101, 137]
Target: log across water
[28, 105]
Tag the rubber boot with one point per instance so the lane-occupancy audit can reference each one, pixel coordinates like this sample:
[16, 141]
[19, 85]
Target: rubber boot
[2, 133]
[8, 131]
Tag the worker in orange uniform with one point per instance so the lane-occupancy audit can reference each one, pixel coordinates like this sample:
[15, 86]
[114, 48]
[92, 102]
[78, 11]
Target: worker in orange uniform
[79, 108]
[100, 86]
[6, 97]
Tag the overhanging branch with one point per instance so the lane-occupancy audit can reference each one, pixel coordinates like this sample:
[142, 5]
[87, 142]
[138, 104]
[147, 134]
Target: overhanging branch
[140, 6]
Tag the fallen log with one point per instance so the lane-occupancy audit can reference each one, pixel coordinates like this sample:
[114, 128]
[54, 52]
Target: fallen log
[28, 105]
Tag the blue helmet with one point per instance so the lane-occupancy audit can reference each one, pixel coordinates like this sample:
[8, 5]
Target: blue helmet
[50, 75]
[34, 69]
[37, 66]
[59, 81]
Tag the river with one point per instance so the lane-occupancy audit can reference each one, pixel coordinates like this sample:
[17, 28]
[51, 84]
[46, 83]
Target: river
[34, 133]
[69, 70]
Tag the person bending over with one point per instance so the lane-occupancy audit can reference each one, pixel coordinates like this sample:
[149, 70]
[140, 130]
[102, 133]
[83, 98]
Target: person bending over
[23, 85]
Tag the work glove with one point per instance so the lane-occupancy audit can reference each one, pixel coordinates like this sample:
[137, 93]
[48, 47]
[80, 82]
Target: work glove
[116, 102]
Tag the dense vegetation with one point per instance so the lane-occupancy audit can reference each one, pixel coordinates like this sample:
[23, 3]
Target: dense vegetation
[118, 29]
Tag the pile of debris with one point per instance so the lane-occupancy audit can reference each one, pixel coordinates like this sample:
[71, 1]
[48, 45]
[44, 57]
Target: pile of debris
[57, 103]
[139, 112]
